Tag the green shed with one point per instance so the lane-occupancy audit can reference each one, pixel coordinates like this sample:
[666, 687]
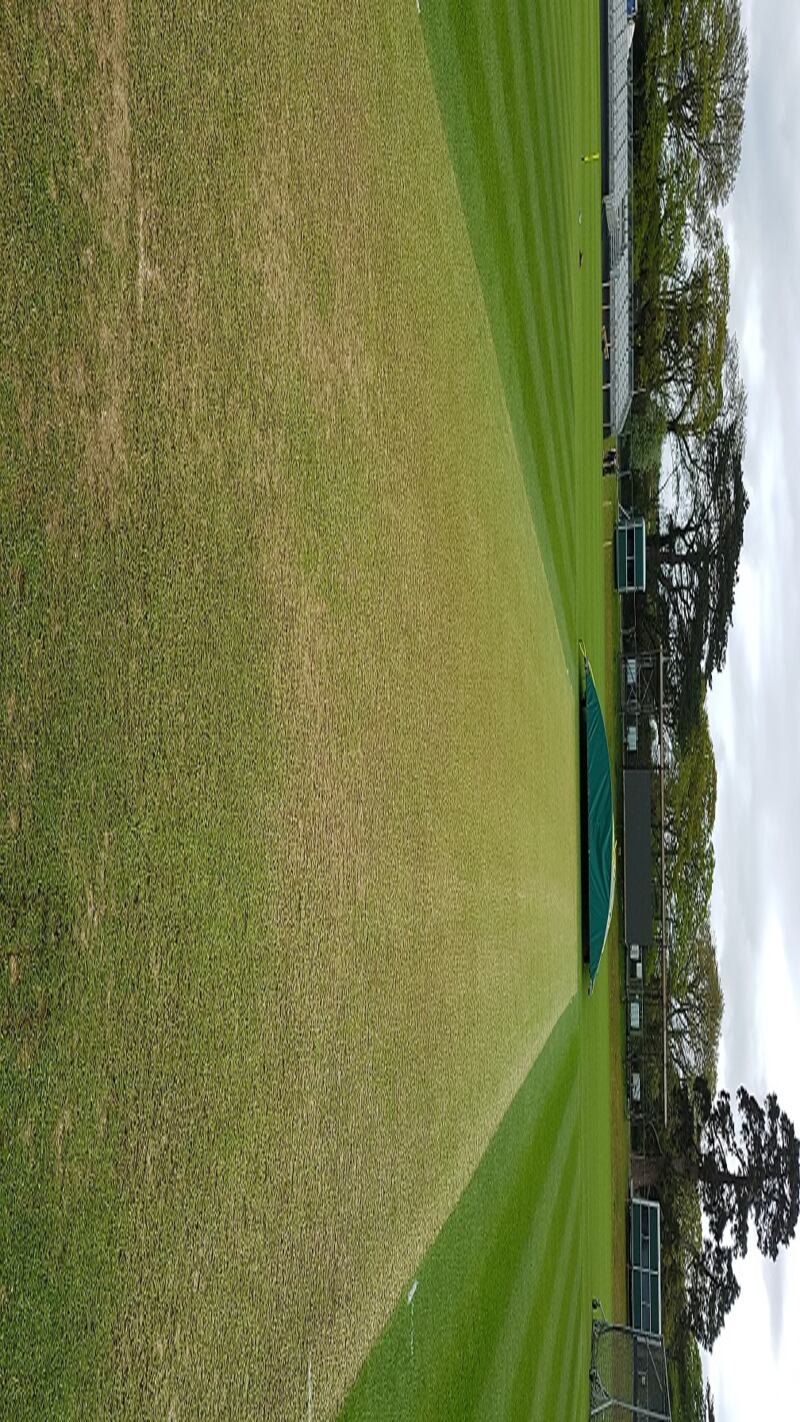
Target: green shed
[630, 555]
[646, 1265]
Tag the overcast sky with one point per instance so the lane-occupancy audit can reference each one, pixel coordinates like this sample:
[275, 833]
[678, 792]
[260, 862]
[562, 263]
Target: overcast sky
[754, 713]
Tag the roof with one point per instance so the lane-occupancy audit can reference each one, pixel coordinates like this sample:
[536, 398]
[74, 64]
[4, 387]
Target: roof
[617, 210]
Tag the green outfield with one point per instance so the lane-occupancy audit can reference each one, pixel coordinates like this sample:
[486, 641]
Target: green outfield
[301, 523]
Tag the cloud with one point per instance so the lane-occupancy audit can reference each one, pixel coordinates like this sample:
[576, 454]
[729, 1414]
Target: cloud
[754, 702]
[746, 1379]
[752, 707]
[777, 1015]
[754, 359]
[776, 1282]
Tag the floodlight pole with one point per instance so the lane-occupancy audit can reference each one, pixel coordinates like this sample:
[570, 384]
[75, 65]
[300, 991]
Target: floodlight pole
[663, 873]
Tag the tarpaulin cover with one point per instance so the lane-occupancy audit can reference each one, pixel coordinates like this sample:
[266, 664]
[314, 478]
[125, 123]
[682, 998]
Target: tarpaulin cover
[600, 841]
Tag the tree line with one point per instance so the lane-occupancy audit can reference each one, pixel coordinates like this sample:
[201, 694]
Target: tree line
[724, 1169]
[689, 413]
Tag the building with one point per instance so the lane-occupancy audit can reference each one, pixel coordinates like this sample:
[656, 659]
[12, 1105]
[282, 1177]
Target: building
[617, 27]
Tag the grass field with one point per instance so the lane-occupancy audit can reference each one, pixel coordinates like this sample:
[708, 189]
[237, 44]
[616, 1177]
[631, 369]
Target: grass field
[301, 521]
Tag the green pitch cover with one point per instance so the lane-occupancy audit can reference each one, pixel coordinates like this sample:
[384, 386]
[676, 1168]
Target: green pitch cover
[600, 845]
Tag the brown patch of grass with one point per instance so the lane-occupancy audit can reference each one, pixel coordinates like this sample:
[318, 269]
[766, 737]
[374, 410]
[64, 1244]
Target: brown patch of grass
[96, 903]
[106, 458]
[90, 396]
[90, 380]
[106, 138]
[146, 275]
[13, 969]
[18, 581]
[26, 1137]
[106, 461]
[62, 1129]
[319, 287]
[111, 115]
[113, 132]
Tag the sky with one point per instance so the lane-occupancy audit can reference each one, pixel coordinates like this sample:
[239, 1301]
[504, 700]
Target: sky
[753, 703]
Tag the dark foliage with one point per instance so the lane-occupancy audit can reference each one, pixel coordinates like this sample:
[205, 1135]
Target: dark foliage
[745, 1171]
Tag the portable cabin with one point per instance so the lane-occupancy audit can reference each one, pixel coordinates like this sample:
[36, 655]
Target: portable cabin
[646, 1265]
[637, 840]
[630, 555]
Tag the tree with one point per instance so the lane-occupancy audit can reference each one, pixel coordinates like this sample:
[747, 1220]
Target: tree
[691, 806]
[743, 1173]
[753, 1172]
[711, 1411]
[661, 267]
[686, 1382]
[699, 547]
[711, 1290]
[690, 78]
[695, 297]
[695, 1005]
[703, 82]
[695, 998]
[648, 430]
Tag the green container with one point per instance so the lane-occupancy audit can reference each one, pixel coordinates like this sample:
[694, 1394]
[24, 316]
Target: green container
[630, 562]
[645, 1260]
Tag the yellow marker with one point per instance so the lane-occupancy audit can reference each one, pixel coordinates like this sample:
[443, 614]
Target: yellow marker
[590, 158]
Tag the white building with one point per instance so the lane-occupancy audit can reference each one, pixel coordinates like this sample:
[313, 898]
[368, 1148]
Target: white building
[617, 245]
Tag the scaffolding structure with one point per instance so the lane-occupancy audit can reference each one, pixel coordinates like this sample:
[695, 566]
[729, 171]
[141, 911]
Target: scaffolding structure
[627, 1375]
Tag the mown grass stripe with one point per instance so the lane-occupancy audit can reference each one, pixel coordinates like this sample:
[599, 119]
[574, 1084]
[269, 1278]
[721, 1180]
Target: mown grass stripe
[540, 135]
[561, 18]
[532, 157]
[465, 1282]
[560, 170]
[541, 1327]
[573, 1395]
[553, 42]
[529, 297]
[538, 1260]
[562, 1358]
[482, 179]
[573, 1398]
[534, 1338]
[538, 280]
[549, 310]
[556, 244]
[504, 294]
